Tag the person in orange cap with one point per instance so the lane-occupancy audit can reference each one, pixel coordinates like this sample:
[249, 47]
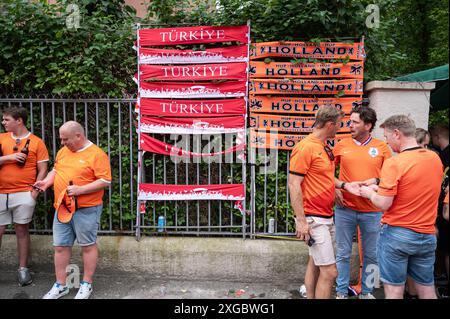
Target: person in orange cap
[85, 165]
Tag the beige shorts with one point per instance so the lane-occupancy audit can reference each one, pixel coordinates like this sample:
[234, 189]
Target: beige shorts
[16, 208]
[322, 251]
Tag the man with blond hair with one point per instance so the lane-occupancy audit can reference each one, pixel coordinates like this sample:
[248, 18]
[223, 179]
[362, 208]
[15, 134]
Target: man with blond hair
[82, 170]
[312, 190]
[408, 194]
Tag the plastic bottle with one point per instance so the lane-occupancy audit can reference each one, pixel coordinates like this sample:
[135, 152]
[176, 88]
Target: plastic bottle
[161, 223]
[271, 225]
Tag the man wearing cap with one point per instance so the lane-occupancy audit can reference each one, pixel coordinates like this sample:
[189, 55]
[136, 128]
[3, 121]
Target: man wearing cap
[81, 172]
[18, 171]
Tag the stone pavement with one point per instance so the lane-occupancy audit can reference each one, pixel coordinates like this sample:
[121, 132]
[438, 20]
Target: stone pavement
[116, 285]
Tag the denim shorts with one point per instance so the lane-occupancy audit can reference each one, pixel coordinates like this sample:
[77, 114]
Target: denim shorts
[403, 252]
[83, 227]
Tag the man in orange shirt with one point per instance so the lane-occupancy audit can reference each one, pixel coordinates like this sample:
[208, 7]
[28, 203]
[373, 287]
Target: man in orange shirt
[311, 186]
[408, 194]
[87, 167]
[18, 172]
[360, 158]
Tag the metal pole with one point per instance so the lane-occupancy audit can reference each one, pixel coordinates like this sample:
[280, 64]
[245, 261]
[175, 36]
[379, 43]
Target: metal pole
[139, 168]
[244, 159]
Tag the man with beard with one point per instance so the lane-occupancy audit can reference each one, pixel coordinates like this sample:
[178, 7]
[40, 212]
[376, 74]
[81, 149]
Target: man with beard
[360, 158]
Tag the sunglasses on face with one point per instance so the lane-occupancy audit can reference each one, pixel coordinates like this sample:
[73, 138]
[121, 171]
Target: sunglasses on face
[16, 147]
[329, 152]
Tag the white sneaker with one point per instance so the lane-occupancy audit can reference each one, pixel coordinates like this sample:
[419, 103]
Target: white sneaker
[302, 291]
[56, 292]
[366, 296]
[341, 296]
[85, 290]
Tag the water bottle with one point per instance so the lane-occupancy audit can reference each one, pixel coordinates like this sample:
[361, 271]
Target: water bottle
[271, 225]
[161, 223]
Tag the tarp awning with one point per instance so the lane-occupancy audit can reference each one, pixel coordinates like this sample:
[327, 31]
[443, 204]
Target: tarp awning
[439, 73]
[439, 96]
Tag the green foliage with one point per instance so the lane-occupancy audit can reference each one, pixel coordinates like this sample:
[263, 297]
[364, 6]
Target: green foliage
[39, 53]
[412, 34]
[436, 117]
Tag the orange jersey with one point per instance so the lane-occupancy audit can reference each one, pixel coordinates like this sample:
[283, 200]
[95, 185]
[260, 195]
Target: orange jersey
[82, 167]
[359, 163]
[413, 177]
[309, 159]
[14, 178]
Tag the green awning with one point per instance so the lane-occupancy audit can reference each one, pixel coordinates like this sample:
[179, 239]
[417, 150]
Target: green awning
[439, 73]
[439, 96]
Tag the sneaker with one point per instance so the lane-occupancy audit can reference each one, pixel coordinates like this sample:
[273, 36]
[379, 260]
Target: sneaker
[24, 276]
[366, 296]
[56, 292]
[85, 290]
[406, 295]
[341, 296]
[442, 293]
[302, 291]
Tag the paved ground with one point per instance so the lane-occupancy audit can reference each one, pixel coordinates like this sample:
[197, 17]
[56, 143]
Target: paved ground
[130, 286]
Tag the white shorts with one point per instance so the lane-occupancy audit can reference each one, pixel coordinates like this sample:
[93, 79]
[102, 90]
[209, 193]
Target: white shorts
[16, 208]
[323, 232]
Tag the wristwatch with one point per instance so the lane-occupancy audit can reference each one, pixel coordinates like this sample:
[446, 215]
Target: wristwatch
[377, 181]
[343, 185]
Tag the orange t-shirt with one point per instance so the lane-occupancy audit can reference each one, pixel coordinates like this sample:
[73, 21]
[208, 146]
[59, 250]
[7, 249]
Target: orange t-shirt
[413, 177]
[82, 167]
[309, 159]
[359, 163]
[14, 178]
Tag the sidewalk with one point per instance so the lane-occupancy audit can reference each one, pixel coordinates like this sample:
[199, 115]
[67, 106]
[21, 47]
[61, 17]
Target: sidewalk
[175, 268]
[132, 286]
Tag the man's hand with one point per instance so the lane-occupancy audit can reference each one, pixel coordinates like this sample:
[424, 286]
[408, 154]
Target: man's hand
[35, 194]
[16, 158]
[445, 212]
[367, 191]
[353, 188]
[302, 229]
[368, 182]
[74, 190]
[338, 198]
[40, 186]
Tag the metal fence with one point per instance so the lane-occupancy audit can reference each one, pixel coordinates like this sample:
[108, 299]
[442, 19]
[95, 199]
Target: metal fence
[269, 195]
[110, 123]
[195, 217]
[107, 123]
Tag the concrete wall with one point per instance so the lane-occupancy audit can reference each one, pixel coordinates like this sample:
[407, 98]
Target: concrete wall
[390, 97]
[228, 259]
